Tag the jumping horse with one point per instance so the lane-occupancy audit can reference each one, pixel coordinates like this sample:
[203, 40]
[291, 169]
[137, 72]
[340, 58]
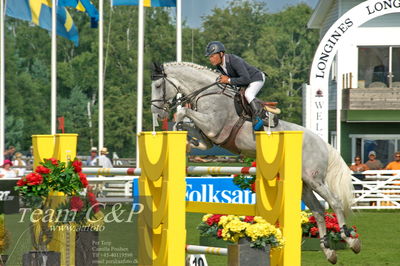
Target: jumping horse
[210, 106]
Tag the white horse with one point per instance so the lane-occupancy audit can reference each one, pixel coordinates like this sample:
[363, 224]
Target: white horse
[213, 112]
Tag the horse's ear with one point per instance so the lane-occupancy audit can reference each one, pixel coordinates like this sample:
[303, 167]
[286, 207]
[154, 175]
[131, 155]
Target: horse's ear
[157, 71]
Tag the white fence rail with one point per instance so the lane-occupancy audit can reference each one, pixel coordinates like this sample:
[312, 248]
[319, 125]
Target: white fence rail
[377, 189]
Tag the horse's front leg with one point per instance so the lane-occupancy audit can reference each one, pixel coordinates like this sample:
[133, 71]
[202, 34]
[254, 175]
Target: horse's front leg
[207, 123]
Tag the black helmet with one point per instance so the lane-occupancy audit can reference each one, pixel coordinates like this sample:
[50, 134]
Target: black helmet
[214, 47]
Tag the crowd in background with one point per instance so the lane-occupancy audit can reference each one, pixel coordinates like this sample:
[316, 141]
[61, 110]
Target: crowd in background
[16, 164]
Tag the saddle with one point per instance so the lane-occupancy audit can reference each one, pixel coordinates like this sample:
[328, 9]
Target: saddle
[269, 109]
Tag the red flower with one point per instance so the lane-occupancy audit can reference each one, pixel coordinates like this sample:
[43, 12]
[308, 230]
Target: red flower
[76, 204]
[253, 187]
[312, 219]
[42, 170]
[83, 179]
[219, 233]
[21, 182]
[253, 164]
[93, 202]
[53, 161]
[214, 219]
[33, 179]
[248, 219]
[77, 166]
[314, 231]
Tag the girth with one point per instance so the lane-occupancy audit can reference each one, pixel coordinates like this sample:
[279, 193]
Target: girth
[229, 143]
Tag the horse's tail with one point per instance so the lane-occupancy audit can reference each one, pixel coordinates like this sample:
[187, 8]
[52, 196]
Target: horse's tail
[338, 179]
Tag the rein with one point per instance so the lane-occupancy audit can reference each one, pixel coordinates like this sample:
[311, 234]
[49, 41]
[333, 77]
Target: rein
[185, 99]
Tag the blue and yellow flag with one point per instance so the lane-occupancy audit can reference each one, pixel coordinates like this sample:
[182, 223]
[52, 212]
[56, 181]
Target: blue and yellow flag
[83, 6]
[39, 13]
[148, 3]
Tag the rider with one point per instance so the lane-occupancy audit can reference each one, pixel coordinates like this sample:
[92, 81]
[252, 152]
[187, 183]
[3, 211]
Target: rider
[236, 71]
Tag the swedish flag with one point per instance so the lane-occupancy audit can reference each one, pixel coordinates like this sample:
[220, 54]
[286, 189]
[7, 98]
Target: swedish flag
[39, 13]
[148, 3]
[83, 6]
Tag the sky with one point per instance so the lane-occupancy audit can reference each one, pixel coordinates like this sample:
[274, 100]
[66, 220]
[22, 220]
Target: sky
[193, 10]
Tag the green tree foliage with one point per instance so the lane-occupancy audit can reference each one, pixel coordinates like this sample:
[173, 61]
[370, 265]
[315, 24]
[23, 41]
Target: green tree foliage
[279, 44]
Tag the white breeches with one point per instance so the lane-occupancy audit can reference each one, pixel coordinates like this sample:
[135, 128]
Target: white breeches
[253, 89]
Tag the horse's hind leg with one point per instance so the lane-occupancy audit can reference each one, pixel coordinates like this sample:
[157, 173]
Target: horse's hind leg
[335, 203]
[318, 211]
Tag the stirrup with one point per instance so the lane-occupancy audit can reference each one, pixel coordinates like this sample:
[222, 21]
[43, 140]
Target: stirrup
[258, 124]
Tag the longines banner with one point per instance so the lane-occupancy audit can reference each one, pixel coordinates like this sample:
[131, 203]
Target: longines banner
[316, 103]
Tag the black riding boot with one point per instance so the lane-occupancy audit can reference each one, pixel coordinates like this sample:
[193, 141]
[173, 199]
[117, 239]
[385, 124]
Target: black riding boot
[256, 115]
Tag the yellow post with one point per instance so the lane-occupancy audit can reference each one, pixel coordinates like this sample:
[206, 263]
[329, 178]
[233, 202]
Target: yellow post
[279, 186]
[65, 147]
[61, 147]
[162, 187]
[43, 148]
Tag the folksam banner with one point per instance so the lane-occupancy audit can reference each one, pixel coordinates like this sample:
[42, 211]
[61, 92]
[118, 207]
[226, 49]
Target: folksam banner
[211, 189]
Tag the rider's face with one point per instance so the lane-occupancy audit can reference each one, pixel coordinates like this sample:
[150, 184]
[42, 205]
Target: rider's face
[215, 59]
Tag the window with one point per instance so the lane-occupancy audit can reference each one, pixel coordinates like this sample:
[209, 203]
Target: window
[378, 67]
[384, 146]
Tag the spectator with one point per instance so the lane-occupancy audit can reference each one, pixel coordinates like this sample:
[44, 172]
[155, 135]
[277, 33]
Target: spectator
[9, 154]
[104, 161]
[394, 165]
[21, 163]
[92, 160]
[358, 166]
[6, 171]
[373, 163]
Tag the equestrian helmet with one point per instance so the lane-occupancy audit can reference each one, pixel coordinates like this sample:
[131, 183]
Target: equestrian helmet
[214, 47]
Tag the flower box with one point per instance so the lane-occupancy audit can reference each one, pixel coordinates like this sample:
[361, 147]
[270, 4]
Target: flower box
[242, 254]
[313, 244]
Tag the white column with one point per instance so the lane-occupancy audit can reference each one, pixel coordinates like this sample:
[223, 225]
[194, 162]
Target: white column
[101, 77]
[53, 66]
[179, 30]
[2, 79]
[139, 112]
[179, 38]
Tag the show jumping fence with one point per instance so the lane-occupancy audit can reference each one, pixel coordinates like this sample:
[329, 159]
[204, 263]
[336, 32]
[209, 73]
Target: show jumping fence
[162, 187]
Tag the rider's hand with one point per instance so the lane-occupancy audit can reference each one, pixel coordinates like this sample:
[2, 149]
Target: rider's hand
[224, 79]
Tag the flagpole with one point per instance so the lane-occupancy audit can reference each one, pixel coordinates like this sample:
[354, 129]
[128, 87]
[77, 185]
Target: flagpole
[179, 30]
[179, 39]
[53, 66]
[101, 78]
[139, 112]
[2, 82]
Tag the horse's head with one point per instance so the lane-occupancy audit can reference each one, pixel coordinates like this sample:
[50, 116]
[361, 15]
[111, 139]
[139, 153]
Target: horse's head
[163, 91]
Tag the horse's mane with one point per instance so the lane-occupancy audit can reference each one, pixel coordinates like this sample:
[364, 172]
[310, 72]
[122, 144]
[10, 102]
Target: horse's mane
[193, 65]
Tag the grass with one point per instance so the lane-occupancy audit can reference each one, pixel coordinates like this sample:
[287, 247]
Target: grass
[379, 232]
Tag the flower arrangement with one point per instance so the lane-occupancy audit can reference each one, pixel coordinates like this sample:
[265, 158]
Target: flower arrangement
[51, 175]
[231, 228]
[310, 229]
[246, 181]
[4, 235]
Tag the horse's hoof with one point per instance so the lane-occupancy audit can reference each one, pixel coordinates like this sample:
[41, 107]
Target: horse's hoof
[330, 254]
[355, 245]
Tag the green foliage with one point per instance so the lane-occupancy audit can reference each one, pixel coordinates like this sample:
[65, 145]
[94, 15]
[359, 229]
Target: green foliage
[51, 175]
[279, 44]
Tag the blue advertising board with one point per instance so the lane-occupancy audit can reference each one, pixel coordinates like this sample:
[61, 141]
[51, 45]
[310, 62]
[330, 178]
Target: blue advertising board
[212, 189]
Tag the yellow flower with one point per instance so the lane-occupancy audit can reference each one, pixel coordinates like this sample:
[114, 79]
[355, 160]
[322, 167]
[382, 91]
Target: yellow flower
[205, 217]
[259, 220]
[305, 217]
[236, 226]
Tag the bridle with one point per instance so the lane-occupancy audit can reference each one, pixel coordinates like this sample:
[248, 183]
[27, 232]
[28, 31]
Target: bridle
[170, 105]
